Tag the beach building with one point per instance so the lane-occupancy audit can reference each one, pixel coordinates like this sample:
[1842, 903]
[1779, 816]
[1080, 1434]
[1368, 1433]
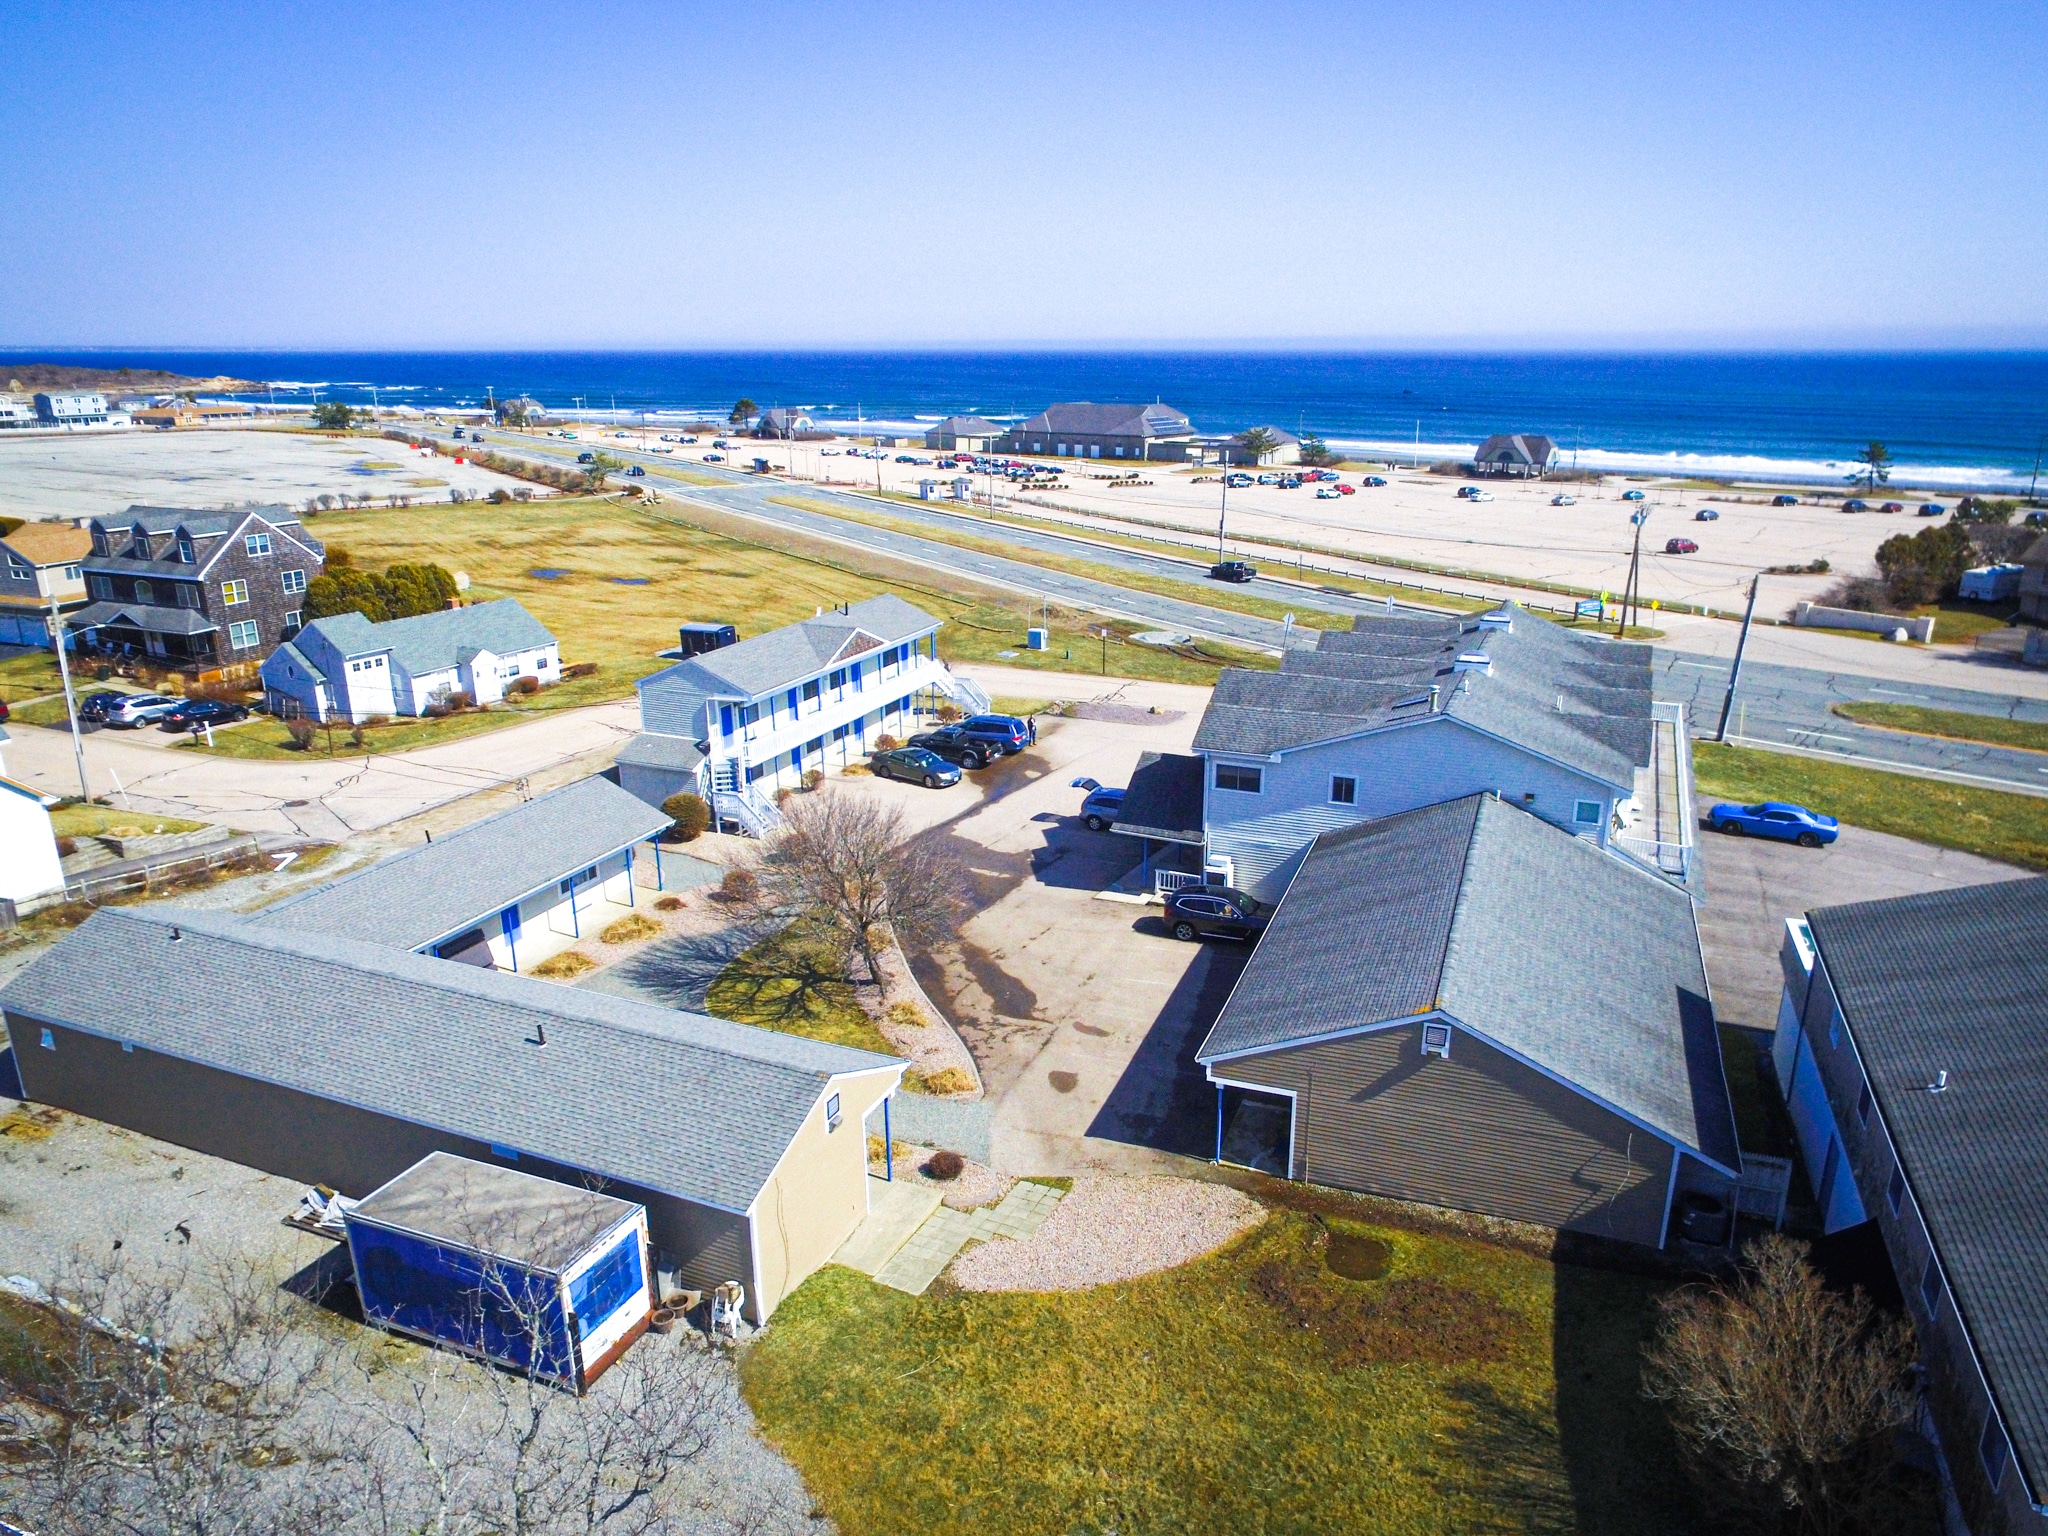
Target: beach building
[18, 412]
[190, 413]
[1082, 429]
[1405, 710]
[197, 589]
[1910, 1053]
[81, 409]
[1519, 453]
[1286, 448]
[1520, 1026]
[781, 422]
[504, 893]
[738, 723]
[40, 562]
[333, 1060]
[964, 434]
[345, 667]
[29, 862]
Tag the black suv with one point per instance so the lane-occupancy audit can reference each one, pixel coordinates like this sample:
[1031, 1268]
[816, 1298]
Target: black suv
[1232, 570]
[1215, 911]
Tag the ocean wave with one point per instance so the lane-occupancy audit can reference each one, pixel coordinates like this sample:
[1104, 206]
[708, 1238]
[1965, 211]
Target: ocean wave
[1741, 466]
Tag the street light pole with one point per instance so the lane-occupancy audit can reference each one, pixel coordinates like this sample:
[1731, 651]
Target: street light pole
[1225, 511]
[1735, 672]
[70, 704]
[1635, 560]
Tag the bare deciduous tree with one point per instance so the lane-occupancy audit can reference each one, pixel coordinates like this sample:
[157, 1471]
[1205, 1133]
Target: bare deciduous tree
[1786, 1395]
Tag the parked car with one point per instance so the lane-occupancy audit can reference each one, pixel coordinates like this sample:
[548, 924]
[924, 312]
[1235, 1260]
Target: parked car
[1327, 493]
[634, 471]
[1232, 570]
[1775, 818]
[721, 442]
[1215, 911]
[714, 458]
[1101, 809]
[134, 709]
[1269, 479]
[1706, 515]
[195, 714]
[1855, 504]
[1345, 490]
[1931, 509]
[1237, 482]
[919, 765]
[1680, 547]
[456, 434]
[1480, 496]
[1011, 732]
[1562, 500]
[94, 706]
[1373, 480]
[1784, 501]
[1632, 495]
[1467, 492]
[1893, 506]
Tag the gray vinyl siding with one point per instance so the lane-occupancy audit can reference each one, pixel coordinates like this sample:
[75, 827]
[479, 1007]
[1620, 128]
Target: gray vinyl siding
[1399, 769]
[1480, 1132]
[311, 1140]
[655, 785]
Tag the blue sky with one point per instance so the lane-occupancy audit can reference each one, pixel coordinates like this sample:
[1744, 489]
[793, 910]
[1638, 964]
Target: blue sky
[842, 174]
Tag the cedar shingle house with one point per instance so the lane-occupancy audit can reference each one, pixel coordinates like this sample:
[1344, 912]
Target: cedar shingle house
[1082, 429]
[1466, 1006]
[1911, 1053]
[194, 589]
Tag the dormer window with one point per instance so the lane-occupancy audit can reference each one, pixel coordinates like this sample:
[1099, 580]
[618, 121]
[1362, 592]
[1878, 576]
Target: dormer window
[185, 548]
[138, 544]
[99, 541]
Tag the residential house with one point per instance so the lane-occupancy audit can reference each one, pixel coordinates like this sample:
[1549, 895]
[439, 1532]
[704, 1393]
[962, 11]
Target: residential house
[197, 589]
[1406, 710]
[503, 893]
[29, 863]
[1910, 1051]
[80, 409]
[345, 667]
[1082, 429]
[1467, 1006]
[964, 434]
[190, 413]
[337, 1061]
[782, 422]
[38, 562]
[1286, 449]
[2034, 581]
[1517, 453]
[738, 723]
[18, 412]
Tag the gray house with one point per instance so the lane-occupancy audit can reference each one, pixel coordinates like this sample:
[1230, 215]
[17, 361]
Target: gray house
[964, 434]
[1406, 710]
[333, 1061]
[781, 422]
[1082, 429]
[1912, 1057]
[344, 666]
[1466, 1006]
[1515, 453]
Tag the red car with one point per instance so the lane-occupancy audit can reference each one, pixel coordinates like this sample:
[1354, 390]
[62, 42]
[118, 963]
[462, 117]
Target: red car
[1680, 547]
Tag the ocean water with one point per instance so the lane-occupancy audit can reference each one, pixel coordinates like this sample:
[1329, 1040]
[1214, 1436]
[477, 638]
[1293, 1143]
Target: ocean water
[1950, 419]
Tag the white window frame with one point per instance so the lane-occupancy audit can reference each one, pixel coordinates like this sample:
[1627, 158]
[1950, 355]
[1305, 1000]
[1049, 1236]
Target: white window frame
[234, 593]
[145, 592]
[241, 627]
[1349, 779]
[256, 545]
[1436, 1040]
[291, 619]
[293, 582]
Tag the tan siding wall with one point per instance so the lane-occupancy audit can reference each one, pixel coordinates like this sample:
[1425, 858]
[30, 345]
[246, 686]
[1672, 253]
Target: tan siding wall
[818, 1194]
[1480, 1132]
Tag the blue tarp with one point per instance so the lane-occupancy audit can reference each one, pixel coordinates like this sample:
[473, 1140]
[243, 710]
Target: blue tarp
[491, 1307]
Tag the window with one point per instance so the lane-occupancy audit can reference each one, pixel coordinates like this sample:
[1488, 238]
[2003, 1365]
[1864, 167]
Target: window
[1992, 1449]
[291, 624]
[257, 543]
[838, 678]
[1234, 776]
[99, 542]
[749, 713]
[243, 636]
[1436, 1040]
[832, 1113]
[185, 549]
[1931, 1286]
[144, 592]
[583, 877]
[1586, 813]
[1863, 1103]
[294, 581]
[810, 690]
[234, 593]
[18, 571]
[186, 594]
[1343, 790]
[100, 587]
[1895, 1192]
[541, 665]
[71, 573]
[49, 1041]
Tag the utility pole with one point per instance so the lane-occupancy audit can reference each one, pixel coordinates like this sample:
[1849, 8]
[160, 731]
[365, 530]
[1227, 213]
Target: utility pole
[1225, 512]
[2035, 478]
[1735, 672]
[70, 704]
[1635, 560]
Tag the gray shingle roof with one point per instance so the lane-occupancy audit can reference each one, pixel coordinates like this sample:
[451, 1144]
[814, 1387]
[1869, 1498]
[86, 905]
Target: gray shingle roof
[435, 642]
[1091, 420]
[676, 1102]
[198, 520]
[536, 1222]
[783, 656]
[1545, 944]
[143, 616]
[1525, 447]
[1164, 798]
[440, 888]
[967, 426]
[651, 749]
[1953, 981]
[1381, 671]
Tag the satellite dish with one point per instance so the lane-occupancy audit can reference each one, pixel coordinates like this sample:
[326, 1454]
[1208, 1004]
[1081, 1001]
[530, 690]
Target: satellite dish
[462, 581]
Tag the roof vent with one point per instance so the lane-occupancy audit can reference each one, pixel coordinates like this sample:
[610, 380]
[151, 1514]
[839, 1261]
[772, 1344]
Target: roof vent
[1940, 1083]
[177, 937]
[1473, 661]
[1415, 699]
[1500, 618]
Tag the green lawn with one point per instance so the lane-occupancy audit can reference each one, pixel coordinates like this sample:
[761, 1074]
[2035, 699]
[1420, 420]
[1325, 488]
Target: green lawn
[1989, 822]
[95, 820]
[1470, 1388]
[785, 984]
[27, 674]
[1956, 725]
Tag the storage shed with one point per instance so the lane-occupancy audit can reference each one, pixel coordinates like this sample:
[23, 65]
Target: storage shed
[537, 1276]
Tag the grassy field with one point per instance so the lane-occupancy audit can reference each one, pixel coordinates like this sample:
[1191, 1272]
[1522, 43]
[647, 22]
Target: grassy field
[95, 820]
[1955, 725]
[1955, 621]
[26, 674]
[785, 985]
[1468, 1388]
[1989, 822]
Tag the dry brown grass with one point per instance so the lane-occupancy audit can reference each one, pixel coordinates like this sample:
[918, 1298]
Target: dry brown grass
[949, 1080]
[630, 930]
[563, 966]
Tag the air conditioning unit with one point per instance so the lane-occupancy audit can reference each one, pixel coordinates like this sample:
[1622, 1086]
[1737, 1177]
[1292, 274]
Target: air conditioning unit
[1219, 869]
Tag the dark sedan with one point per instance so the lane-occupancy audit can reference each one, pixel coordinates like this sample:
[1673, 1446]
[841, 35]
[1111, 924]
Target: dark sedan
[915, 764]
[1215, 912]
[1775, 818]
[197, 714]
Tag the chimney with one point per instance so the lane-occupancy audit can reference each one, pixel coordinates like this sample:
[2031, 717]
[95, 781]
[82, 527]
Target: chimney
[1940, 1083]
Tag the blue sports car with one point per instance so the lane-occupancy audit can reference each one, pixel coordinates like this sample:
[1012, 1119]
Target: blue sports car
[1774, 818]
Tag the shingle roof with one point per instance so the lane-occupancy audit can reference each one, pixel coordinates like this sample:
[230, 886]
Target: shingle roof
[1164, 798]
[142, 616]
[539, 1223]
[1092, 420]
[293, 653]
[440, 888]
[435, 642]
[1953, 981]
[199, 520]
[968, 426]
[1528, 447]
[677, 1102]
[49, 543]
[1381, 672]
[1562, 953]
[651, 749]
[786, 655]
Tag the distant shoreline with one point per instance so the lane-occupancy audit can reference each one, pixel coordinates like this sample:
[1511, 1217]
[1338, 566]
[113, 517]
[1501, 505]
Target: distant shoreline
[50, 377]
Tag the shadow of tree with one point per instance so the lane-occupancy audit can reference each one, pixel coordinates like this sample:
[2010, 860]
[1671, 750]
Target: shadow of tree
[1511, 1462]
[680, 971]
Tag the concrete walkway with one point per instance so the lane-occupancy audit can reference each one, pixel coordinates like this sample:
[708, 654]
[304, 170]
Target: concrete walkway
[924, 1257]
[896, 1209]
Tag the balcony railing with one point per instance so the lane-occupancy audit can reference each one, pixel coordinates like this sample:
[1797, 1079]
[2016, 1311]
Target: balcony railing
[1665, 833]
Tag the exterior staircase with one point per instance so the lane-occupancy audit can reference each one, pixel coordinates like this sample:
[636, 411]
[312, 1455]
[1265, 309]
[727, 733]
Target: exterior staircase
[735, 800]
[964, 691]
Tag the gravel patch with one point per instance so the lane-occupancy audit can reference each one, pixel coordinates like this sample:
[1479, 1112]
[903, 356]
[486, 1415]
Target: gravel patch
[976, 1184]
[1108, 1229]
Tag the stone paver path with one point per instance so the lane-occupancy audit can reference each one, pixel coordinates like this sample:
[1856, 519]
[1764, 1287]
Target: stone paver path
[895, 1211]
[946, 1231]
